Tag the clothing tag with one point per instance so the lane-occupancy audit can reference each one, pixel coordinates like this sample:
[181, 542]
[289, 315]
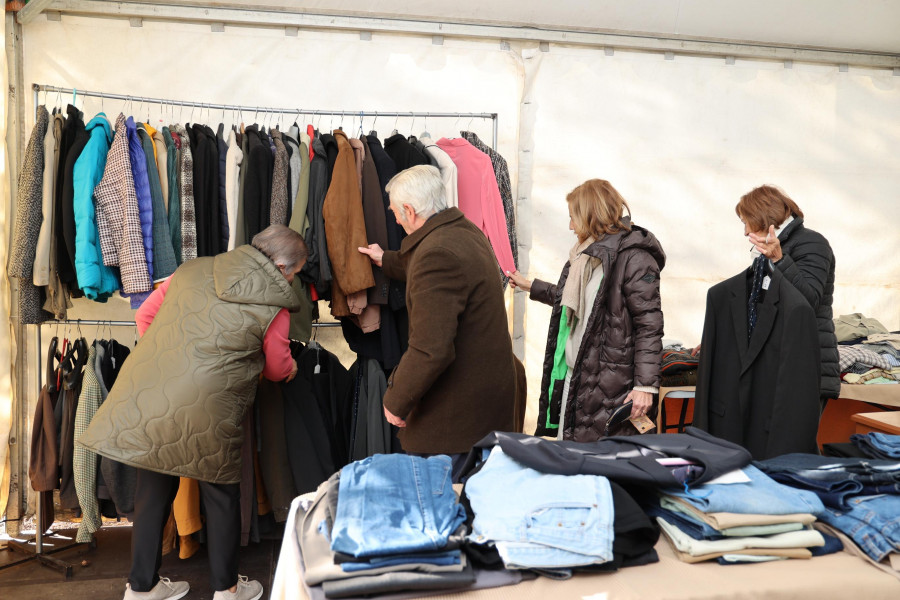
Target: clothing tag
[736, 476]
[766, 281]
[675, 461]
[113, 359]
[643, 423]
[317, 369]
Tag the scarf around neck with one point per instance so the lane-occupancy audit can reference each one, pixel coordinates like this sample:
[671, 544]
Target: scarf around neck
[580, 269]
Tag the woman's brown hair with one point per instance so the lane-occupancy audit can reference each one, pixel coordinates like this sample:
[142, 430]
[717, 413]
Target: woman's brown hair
[597, 209]
[764, 206]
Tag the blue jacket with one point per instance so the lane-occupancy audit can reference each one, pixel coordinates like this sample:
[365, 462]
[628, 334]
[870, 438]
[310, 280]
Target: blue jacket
[142, 188]
[97, 280]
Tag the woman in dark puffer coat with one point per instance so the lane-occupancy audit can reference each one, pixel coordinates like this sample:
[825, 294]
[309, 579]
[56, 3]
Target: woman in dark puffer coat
[605, 338]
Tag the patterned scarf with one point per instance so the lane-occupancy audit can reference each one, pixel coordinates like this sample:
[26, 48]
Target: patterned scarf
[759, 267]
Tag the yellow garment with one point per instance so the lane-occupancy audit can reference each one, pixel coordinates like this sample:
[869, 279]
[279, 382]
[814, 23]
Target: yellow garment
[151, 131]
[186, 507]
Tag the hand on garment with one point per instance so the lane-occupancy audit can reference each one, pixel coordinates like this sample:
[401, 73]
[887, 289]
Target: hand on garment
[768, 245]
[517, 280]
[374, 252]
[393, 419]
[293, 372]
[640, 402]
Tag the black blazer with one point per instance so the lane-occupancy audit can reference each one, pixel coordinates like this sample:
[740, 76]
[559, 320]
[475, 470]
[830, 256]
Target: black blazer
[75, 138]
[763, 395]
[258, 184]
[205, 150]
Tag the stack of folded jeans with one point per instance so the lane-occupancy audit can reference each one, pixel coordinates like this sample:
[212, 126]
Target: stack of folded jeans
[540, 521]
[385, 524]
[882, 446]
[861, 496]
[742, 517]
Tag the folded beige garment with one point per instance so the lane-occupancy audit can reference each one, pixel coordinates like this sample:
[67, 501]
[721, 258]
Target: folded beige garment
[725, 520]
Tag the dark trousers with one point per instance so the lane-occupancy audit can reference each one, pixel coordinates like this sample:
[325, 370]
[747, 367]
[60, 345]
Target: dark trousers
[153, 499]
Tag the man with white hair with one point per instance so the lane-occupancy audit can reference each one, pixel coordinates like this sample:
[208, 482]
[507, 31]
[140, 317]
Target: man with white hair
[458, 380]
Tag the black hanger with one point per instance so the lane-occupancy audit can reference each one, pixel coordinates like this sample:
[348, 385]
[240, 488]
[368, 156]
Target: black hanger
[53, 355]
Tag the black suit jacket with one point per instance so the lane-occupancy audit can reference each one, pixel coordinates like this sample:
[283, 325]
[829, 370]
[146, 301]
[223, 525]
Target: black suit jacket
[762, 394]
[258, 184]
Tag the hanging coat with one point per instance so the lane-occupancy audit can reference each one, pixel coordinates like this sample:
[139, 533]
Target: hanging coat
[163, 253]
[345, 230]
[73, 142]
[97, 280]
[188, 217]
[28, 224]
[173, 200]
[119, 218]
[762, 394]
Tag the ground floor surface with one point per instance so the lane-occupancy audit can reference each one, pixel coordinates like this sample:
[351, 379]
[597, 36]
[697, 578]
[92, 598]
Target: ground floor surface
[100, 573]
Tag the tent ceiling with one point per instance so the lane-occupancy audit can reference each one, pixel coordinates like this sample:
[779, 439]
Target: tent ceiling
[868, 25]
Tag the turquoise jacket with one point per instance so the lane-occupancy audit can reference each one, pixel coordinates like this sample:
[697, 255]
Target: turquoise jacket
[98, 281]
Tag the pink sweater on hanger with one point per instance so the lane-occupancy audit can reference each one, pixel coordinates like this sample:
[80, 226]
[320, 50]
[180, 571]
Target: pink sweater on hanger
[276, 345]
[479, 196]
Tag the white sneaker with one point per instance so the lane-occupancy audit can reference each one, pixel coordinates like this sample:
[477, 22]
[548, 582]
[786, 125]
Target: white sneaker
[247, 589]
[165, 589]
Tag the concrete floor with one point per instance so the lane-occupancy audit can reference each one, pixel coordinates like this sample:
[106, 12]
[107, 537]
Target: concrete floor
[104, 575]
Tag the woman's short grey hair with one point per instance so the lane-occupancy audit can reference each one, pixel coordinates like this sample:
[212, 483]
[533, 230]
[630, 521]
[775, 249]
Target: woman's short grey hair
[421, 187]
[282, 245]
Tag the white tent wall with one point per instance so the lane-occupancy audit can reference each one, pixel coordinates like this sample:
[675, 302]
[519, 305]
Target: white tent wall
[682, 139]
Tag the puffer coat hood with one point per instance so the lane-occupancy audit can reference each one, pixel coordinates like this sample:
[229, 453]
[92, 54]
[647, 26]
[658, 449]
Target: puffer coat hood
[178, 402]
[622, 342]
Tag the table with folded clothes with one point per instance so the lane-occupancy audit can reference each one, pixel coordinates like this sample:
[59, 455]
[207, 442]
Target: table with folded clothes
[567, 519]
[869, 353]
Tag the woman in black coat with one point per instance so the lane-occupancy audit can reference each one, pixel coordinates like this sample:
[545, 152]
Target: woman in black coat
[774, 225]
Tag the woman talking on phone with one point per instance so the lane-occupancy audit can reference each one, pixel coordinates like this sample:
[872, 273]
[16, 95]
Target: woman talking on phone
[605, 338]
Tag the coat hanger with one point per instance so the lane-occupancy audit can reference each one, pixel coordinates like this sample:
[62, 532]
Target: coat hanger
[314, 345]
[425, 131]
[374, 132]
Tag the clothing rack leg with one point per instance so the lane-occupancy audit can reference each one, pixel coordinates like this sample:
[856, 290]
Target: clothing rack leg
[43, 558]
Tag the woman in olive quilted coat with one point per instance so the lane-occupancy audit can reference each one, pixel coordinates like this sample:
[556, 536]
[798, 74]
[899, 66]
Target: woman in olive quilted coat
[605, 339]
[177, 405]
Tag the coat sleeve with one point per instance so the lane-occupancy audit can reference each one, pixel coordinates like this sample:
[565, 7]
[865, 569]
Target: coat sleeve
[543, 291]
[807, 268]
[704, 370]
[640, 289]
[147, 311]
[277, 348]
[393, 266]
[437, 299]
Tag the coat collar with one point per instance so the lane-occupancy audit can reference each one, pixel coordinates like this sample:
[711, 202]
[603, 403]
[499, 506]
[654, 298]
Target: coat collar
[792, 227]
[440, 219]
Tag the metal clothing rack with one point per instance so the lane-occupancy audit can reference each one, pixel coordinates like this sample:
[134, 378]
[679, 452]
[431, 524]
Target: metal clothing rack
[38, 551]
[267, 110]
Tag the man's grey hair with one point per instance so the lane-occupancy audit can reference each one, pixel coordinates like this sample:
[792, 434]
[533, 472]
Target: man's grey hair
[421, 187]
[282, 245]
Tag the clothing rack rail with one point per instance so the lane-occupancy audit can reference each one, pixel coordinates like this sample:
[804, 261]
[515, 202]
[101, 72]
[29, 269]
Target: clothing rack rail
[37, 88]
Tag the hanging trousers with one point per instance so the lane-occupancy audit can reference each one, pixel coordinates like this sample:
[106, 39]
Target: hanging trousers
[153, 499]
